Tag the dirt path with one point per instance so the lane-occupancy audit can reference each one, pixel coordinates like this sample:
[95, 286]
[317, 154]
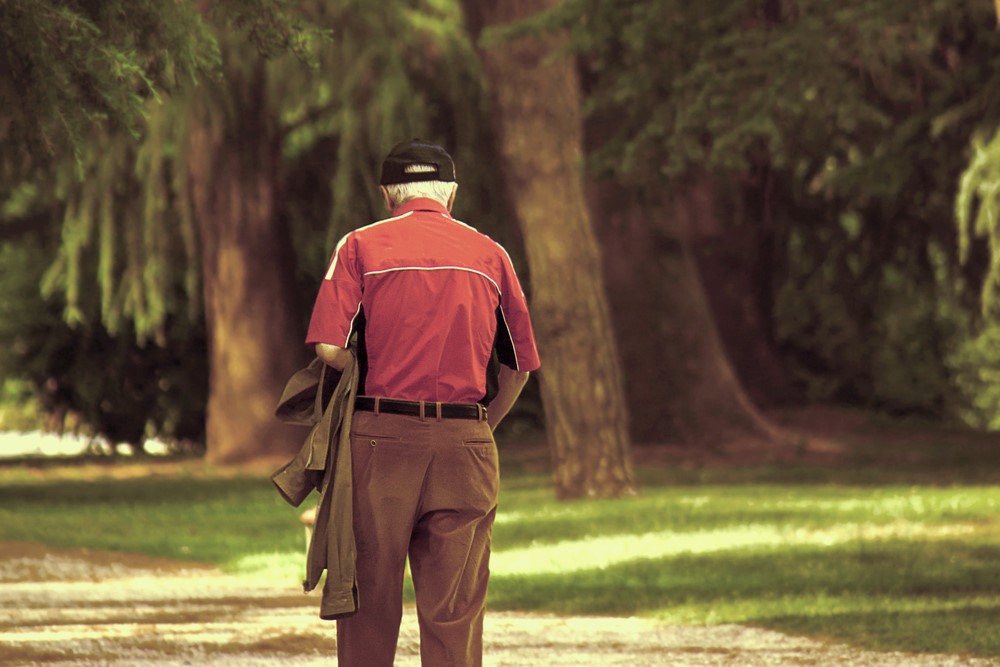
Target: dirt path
[70, 608]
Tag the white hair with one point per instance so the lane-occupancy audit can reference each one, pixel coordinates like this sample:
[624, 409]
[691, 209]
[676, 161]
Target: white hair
[439, 191]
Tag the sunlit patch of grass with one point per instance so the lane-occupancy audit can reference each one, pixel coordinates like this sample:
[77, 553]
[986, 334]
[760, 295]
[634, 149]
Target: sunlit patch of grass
[524, 521]
[285, 566]
[607, 550]
[938, 568]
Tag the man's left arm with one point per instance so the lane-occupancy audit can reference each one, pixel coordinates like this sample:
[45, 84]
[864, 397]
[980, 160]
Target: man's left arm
[510, 382]
[515, 319]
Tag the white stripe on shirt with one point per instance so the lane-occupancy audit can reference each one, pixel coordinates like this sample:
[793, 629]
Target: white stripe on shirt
[436, 268]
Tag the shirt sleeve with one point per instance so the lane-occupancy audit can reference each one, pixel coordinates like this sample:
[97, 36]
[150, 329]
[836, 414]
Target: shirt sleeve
[514, 317]
[339, 300]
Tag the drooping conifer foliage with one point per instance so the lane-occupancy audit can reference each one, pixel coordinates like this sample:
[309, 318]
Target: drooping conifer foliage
[70, 65]
[273, 141]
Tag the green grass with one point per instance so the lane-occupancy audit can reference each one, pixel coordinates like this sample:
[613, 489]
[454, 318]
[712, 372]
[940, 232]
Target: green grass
[208, 520]
[895, 547]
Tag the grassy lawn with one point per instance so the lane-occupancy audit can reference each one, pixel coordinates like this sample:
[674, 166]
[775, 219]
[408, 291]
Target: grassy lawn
[894, 546]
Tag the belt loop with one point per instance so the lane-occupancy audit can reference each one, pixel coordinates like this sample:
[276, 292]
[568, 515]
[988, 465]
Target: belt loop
[479, 409]
[421, 411]
[438, 406]
[376, 405]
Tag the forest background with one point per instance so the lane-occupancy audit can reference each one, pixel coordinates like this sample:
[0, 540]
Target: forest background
[717, 209]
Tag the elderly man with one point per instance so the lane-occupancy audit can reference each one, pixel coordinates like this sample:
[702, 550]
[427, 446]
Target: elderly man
[445, 345]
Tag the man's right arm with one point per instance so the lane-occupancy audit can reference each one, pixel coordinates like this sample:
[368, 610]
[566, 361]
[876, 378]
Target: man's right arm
[332, 355]
[510, 383]
[337, 305]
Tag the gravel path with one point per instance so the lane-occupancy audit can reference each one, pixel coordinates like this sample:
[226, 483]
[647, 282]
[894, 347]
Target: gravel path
[75, 608]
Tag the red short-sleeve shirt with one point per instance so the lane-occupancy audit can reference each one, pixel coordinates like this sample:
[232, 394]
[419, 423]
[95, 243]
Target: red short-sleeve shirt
[435, 297]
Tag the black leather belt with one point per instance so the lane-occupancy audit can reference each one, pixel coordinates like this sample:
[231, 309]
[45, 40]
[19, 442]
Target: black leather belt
[412, 408]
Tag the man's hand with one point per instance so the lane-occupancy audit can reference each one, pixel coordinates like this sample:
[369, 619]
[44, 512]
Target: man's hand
[511, 383]
[332, 355]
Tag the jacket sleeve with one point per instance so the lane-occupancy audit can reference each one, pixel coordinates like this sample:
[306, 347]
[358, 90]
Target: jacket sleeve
[304, 402]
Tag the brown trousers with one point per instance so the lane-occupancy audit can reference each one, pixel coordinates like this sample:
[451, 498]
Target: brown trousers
[426, 488]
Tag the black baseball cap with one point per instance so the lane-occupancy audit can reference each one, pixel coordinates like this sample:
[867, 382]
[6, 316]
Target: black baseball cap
[417, 160]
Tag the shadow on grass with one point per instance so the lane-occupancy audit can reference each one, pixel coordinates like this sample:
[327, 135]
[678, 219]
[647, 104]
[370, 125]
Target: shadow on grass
[966, 630]
[154, 490]
[828, 591]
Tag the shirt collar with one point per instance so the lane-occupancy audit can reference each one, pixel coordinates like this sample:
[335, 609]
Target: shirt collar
[421, 204]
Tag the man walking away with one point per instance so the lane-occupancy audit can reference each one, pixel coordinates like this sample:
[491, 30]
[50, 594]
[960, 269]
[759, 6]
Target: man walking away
[445, 345]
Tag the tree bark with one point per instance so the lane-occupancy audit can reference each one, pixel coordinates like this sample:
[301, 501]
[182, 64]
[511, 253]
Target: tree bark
[681, 387]
[536, 97]
[735, 259]
[254, 333]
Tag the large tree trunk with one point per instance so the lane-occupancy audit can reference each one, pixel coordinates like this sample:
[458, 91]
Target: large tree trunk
[537, 101]
[254, 333]
[736, 259]
[680, 385]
